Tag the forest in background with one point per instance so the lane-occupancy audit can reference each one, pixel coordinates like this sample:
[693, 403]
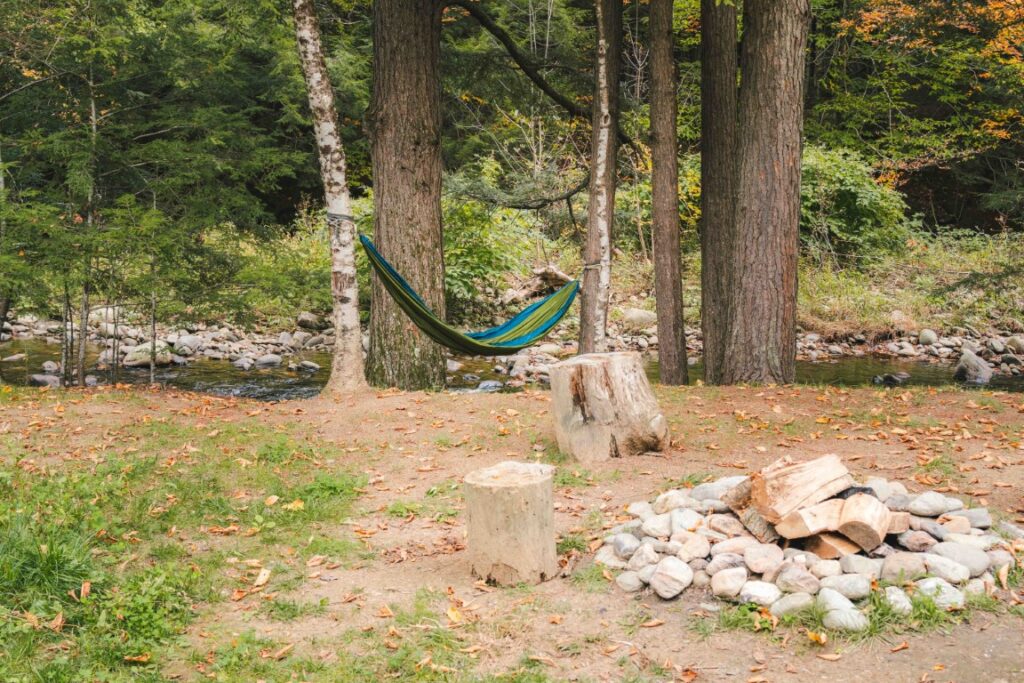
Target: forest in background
[161, 154]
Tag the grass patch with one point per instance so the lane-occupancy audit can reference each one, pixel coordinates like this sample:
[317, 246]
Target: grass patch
[571, 542]
[590, 579]
[572, 478]
[282, 609]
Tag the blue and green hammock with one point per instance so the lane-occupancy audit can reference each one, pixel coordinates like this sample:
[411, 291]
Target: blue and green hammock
[526, 329]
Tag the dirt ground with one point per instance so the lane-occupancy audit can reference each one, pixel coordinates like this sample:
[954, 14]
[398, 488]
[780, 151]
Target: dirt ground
[411, 446]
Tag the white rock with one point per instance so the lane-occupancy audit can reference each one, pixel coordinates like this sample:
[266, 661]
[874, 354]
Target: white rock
[852, 586]
[641, 509]
[659, 526]
[943, 594]
[625, 545]
[946, 569]
[728, 582]
[880, 486]
[685, 519]
[983, 542]
[976, 560]
[715, 489]
[606, 556]
[724, 561]
[845, 620]
[736, 545]
[794, 578]
[670, 500]
[791, 604]
[823, 568]
[727, 524]
[759, 592]
[646, 573]
[829, 600]
[692, 546]
[898, 600]
[762, 557]
[928, 504]
[858, 564]
[643, 556]
[671, 577]
[629, 582]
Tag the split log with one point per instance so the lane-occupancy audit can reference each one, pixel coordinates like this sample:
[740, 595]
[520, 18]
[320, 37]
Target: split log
[898, 522]
[785, 486]
[824, 516]
[510, 523]
[738, 500]
[865, 520]
[604, 407]
[831, 546]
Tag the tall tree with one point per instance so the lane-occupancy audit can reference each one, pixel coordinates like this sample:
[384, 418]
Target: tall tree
[761, 320]
[597, 251]
[665, 198]
[347, 362]
[404, 121]
[718, 179]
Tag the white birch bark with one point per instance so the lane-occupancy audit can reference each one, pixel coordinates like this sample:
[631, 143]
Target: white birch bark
[347, 362]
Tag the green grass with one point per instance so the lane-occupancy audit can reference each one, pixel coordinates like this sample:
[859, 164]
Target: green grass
[283, 609]
[571, 542]
[572, 478]
[590, 579]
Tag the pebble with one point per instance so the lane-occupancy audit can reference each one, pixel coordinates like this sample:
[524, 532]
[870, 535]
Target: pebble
[903, 567]
[945, 568]
[852, 586]
[762, 557]
[625, 545]
[897, 600]
[659, 526]
[629, 582]
[829, 600]
[692, 546]
[796, 579]
[684, 519]
[760, 593]
[944, 595]
[671, 577]
[727, 583]
[724, 561]
[845, 620]
[928, 504]
[823, 568]
[973, 558]
[858, 564]
[791, 604]
[643, 556]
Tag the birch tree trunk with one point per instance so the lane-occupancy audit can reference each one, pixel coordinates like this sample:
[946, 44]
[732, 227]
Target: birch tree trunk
[718, 176]
[668, 268]
[347, 360]
[597, 250]
[404, 121]
[761, 344]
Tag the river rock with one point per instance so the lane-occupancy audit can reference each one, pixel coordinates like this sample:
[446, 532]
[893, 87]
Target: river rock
[793, 578]
[643, 556]
[760, 593]
[671, 500]
[858, 564]
[647, 572]
[641, 509]
[845, 620]
[684, 519]
[139, 356]
[308, 366]
[829, 600]
[852, 586]
[44, 380]
[928, 504]
[309, 321]
[944, 595]
[715, 489]
[898, 601]
[244, 363]
[692, 546]
[898, 502]
[916, 541]
[268, 360]
[727, 524]
[998, 558]
[903, 567]
[791, 604]
[671, 578]
[980, 541]
[956, 525]
[823, 568]
[629, 582]
[979, 518]
[606, 556]
[1010, 529]
[14, 358]
[972, 369]
[727, 583]
[625, 545]
[1015, 344]
[945, 568]
[724, 561]
[733, 545]
[973, 558]
[927, 337]
[762, 557]
[51, 368]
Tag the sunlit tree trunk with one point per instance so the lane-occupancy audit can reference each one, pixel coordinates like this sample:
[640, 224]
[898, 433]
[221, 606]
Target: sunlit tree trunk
[761, 344]
[347, 361]
[404, 121]
[718, 176]
[665, 198]
[597, 250]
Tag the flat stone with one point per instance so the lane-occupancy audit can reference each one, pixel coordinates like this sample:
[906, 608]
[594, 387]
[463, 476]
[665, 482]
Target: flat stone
[685, 519]
[713, 505]
[845, 620]
[928, 504]
[976, 587]
[728, 582]
[268, 360]
[880, 487]
[823, 568]
[715, 489]
[625, 545]
[916, 541]
[903, 567]
[932, 528]
[662, 547]
[981, 542]
[898, 502]
[629, 582]
[762, 557]
[830, 600]
[659, 526]
[953, 504]
[671, 577]
[897, 600]
[643, 556]
[979, 518]
[1010, 530]
[727, 524]
[795, 579]
[791, 604]
[897, 488]
[760, 593]
[630, 527]
[724, 561]
[956, 525]
[944, 595]
[641, 509]
[945, 568]
[671, 500]
[733, 545]
[858, 564]
[606, 556]
[852, 586]
[998, 558]
[692, 546]
[973, 558]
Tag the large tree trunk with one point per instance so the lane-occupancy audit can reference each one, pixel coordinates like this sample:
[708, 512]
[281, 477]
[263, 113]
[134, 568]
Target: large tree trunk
[717, 170]
[347, 361]
[5, 308]
[761, 345]
[668, 285]
[404, 121]
[597, 251]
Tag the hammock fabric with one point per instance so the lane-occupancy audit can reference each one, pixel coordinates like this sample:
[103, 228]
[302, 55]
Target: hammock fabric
[521, 331]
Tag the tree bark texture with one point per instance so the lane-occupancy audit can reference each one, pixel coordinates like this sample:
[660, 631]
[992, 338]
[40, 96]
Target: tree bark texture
[597, 250]
[717, 169]
[761, 345]
[668, 285]
[404, 121]
[347, 359]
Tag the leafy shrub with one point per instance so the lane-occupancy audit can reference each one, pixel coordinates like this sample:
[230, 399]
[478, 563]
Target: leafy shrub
[844, 210]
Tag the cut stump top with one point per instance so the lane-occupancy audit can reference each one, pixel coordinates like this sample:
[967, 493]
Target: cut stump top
[510, 473]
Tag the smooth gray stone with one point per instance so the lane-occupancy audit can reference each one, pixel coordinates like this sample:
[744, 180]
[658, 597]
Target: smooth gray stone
[791, 604]
[944, 595]
[976, 560]
[845, 620]
[852, 586]
[898, 600]
[671, 577]
[760, 593]
[830, 600]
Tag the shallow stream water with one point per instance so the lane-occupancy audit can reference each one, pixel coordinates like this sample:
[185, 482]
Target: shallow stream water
[278, 384]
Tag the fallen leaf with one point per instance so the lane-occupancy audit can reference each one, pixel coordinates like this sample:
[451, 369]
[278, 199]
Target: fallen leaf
[832, 657]
[653, 623]
[139, 659]
[262, 578]
[902, 646]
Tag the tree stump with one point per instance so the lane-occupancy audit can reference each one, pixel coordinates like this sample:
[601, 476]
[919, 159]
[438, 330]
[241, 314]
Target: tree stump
[510, 522]
[604, 407]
